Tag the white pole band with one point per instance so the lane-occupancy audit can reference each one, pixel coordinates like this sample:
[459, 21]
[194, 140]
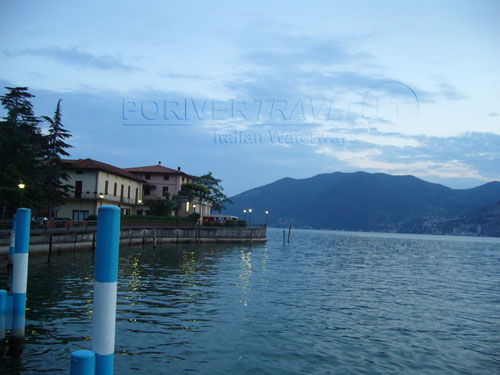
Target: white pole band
[103, 321]
[20, 280]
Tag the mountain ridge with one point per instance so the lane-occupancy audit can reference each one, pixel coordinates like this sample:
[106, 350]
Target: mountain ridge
[358, 201]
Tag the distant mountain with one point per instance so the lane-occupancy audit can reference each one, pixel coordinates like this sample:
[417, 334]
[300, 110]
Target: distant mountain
[482, 221]
[358, 201]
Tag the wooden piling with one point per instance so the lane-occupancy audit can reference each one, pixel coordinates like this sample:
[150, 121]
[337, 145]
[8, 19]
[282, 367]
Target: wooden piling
[50, 244]
[289, 231]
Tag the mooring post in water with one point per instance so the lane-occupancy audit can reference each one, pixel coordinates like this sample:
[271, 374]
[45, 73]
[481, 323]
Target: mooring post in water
[106, 276]
[12, 245]
[20, 280]
[289, 230]
[283, 237]
[50, 244]
[83, 362]
[3, 316]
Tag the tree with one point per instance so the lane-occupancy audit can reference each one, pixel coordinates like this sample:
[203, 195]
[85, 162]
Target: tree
[194, 190]
[162, 207]
[22, 150]
[213, 191]
[55, 176]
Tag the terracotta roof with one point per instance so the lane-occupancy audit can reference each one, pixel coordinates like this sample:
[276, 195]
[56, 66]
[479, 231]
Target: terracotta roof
[155, 169]
[97, 165]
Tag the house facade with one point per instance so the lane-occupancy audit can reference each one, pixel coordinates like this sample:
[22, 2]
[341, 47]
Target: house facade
[160, 180]
[95, 184]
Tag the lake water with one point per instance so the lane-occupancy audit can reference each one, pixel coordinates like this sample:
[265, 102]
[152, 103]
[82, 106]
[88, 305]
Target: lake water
[327, 303]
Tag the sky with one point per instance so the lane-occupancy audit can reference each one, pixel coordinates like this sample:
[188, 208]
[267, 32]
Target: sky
[261, 90]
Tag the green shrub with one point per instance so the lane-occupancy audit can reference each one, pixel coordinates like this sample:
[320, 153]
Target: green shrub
[231, 223]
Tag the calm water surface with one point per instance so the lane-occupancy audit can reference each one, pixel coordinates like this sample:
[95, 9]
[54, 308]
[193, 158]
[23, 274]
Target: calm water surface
[327, 303]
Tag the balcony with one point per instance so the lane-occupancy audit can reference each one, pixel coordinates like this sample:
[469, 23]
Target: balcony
[96, 196]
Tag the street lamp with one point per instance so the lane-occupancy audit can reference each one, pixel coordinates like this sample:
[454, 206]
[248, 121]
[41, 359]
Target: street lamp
[21, 186]
[249, 217]
[245, 215]
[101, 197]
[267, 213]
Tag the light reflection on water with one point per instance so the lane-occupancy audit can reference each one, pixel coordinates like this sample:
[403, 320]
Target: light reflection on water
[326, 303]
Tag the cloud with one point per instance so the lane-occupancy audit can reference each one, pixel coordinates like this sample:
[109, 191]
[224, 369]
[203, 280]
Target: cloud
[469, 156]
[493, 114]
[76, 58]
[195, 77]
[370, 160]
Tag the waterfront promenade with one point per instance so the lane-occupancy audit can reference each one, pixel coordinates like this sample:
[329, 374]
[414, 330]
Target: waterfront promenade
[72, 238]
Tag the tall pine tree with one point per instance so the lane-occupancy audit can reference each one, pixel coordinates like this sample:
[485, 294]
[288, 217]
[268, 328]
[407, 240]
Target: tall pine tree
[22, 150]
[55, 175]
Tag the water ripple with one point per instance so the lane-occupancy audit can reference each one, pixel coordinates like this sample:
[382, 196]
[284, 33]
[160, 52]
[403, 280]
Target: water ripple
[329, 302]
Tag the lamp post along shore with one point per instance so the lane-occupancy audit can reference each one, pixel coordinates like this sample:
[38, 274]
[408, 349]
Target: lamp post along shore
[21, 186]
[105, 288]
[20, 280]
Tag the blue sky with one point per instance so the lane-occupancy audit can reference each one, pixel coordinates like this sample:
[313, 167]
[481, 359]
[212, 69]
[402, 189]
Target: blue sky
[256, 91]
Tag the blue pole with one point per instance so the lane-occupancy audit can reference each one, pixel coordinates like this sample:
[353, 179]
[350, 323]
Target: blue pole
[3, 314]
[106, 276]
[82, 362]
[20, 280]
[12, 246]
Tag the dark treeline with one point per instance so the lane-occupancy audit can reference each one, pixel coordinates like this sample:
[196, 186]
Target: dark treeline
[31, 169]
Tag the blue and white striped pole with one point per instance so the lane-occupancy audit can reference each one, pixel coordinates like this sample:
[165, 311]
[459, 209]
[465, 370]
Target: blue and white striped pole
[106, 276]
[12, 246]
[3, 315]
[20, 280]
[82, 363]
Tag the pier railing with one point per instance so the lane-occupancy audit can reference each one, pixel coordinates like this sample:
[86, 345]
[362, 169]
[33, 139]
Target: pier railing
[91, 225]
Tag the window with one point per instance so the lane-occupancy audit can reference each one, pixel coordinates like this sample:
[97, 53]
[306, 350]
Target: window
[106, 185]
[79, 215]
[166, 177]
[78, 189]
[165, 190]
[187, 207]
[121, 191]
[148, 176]
[147, 191]
[136, 194]
[114, 190]
[128, 193]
